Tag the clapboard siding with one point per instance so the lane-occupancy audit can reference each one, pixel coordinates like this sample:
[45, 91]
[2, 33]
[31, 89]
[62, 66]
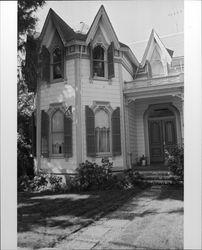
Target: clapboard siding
[98, 90]
[57, 93]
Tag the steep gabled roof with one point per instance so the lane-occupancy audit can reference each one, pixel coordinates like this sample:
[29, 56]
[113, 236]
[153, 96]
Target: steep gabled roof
[66, 33]
[102, 14]
[155, 38]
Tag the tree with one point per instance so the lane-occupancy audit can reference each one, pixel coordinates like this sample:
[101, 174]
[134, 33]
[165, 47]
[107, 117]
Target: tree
[27, 74]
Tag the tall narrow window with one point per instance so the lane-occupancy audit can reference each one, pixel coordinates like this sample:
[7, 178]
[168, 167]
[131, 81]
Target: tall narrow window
[98, 61]
[57, 63]
[102, 132]
[58, 133]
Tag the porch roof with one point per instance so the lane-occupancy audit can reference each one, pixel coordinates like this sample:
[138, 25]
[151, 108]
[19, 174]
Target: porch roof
[154, 87]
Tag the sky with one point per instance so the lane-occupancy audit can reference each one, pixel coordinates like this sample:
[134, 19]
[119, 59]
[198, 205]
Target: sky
[132, 20]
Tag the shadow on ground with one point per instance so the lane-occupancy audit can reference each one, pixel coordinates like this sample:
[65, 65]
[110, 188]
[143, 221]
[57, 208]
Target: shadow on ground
[45, 219]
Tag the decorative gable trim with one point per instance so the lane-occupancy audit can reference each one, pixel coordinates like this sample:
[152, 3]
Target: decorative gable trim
[154, 38]
[92, 31]
[66, 33]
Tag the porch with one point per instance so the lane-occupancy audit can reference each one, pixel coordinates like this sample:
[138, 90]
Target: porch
[154, 120]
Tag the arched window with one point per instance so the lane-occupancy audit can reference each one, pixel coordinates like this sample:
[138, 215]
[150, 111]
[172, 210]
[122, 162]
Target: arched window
[99, 61]
[58, 133]
[102, 132]
[57, 63]
[157, 68]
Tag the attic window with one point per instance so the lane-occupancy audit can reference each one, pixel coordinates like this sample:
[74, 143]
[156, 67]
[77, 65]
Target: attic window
[98, 61]
[57, 63]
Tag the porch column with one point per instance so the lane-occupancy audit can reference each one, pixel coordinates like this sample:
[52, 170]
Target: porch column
[127, 143]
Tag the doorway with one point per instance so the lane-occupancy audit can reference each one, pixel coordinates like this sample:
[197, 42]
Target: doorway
[162, 134]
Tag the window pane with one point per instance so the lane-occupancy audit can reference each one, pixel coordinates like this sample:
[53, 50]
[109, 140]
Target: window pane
[98, 61]
[102, 132]
[57, 70]
[57, 64]
[57, 55]
[58, 143]
[101, 119]
[98, 53]
[58, 122]
[98, 68]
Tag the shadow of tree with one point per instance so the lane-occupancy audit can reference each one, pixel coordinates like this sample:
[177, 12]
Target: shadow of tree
[44, 219]
[66, 210]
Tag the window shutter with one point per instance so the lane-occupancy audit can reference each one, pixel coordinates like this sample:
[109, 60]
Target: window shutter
[116, 132]
[45, 58]
[68, 152]
[90, 47]
[110, 59]
[90, 132]
[44, 134]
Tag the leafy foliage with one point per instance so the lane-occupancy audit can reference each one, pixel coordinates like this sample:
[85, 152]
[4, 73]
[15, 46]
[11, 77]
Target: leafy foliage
[26, 82]
[175, 159]
[92, 176]
[42, 182]
[26, 19]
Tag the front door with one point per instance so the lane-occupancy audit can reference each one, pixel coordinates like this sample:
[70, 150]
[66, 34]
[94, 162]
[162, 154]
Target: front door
[162, 133]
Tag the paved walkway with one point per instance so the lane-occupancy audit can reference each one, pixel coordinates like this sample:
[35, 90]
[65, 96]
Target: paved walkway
[148, 221]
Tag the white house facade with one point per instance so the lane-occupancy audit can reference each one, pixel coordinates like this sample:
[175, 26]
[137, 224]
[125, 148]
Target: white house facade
[94, 99]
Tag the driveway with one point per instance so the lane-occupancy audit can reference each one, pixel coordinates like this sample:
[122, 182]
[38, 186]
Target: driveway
[150, 220]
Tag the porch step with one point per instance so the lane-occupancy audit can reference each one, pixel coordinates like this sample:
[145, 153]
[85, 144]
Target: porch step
[155, 177]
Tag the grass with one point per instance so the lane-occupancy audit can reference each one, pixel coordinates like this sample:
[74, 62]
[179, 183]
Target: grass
[46, 219]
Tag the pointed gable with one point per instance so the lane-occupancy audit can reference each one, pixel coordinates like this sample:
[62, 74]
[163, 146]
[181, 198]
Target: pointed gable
[102, 22]
[53, 21]
[155, 44]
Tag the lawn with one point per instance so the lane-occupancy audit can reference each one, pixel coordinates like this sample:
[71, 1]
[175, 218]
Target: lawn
[46, 219]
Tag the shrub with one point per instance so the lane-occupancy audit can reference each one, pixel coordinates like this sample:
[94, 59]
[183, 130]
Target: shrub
[92, 176]
[175, 159]
[41, 182]
[55, 183]
[23, 183]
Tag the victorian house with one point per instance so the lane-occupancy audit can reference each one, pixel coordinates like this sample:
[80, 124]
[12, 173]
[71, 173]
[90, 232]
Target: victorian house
[95, 99]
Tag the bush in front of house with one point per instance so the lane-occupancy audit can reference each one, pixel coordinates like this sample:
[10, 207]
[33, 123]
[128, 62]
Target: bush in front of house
[42, 182]
[175, 158]
[88, 176]
[92, 176]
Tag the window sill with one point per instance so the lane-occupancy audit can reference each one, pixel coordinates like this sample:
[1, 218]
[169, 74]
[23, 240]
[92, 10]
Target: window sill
[57, 80]
[57, 156]
[99, 78]
[102, 155]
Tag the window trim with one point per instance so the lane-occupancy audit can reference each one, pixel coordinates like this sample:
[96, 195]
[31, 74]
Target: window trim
[52, 132]
[96, 107]
[54, 107]
[105, 77]
[52, 65]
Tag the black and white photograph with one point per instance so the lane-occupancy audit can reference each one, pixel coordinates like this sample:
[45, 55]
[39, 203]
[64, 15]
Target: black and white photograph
[101, 126]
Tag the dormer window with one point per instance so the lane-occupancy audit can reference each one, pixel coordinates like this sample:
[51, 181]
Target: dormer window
[99, 61]
[157, 68]
[57, 63]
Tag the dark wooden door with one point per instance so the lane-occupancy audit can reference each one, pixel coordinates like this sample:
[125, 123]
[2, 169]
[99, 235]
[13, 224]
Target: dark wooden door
[162, 133]
[156, 141]
[170, 138]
